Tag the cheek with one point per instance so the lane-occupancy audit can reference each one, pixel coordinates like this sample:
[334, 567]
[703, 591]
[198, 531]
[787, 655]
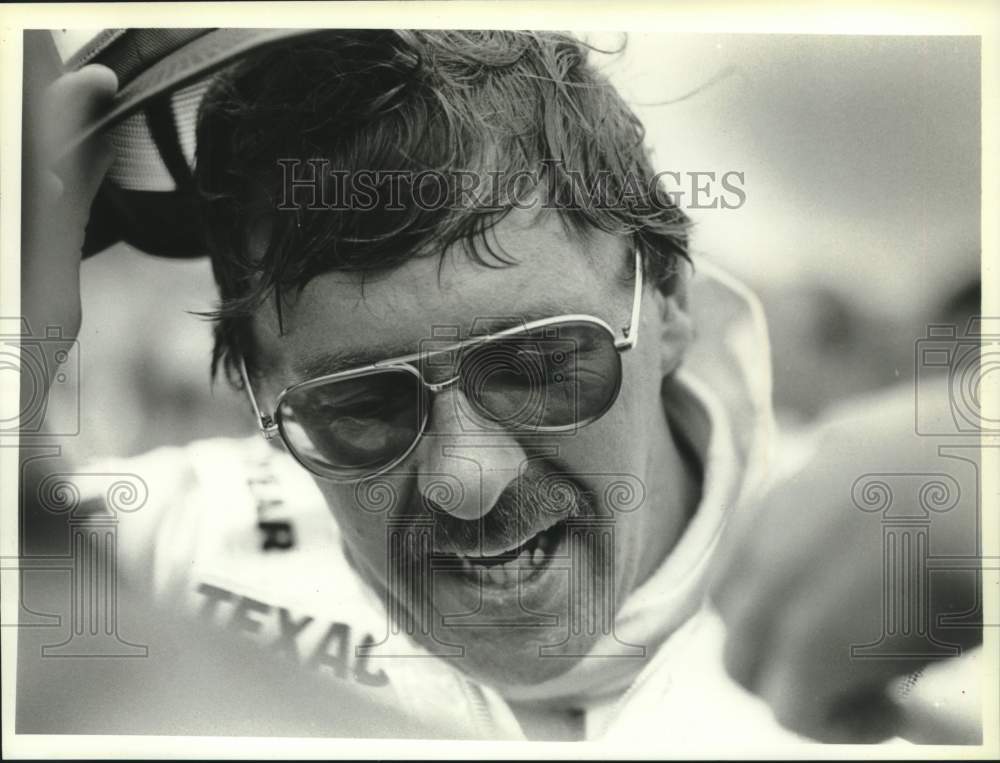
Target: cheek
[609, 456]
[623, 434]
[363, 529]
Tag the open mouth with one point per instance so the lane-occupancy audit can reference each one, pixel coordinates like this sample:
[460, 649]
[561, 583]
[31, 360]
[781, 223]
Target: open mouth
[505, 570]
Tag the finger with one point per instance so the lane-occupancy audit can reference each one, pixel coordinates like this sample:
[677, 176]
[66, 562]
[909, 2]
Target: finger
[763, 579]
[795, 534]
[51, 188]
[83, 172]
[751, 597]
[817, 685]
[770, 602]
[866, 715]
[56, 220]
[73, 101]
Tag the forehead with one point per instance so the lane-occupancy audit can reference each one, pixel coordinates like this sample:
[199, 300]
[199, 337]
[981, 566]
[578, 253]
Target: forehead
[546, 271]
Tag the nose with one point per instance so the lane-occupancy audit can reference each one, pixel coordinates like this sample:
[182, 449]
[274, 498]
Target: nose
[461, 446]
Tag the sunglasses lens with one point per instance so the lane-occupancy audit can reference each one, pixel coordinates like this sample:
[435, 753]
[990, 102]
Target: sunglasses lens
[556, 377]
[353, 426]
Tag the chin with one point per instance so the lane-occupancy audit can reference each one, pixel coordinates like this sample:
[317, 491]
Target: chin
[520, 660]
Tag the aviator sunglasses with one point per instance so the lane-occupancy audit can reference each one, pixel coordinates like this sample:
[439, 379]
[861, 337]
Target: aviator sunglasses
[550, 375]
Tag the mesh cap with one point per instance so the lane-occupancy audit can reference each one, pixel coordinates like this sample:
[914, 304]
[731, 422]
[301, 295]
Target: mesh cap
[147, 197]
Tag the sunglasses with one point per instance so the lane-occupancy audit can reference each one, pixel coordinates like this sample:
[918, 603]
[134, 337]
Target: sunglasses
[551, 375]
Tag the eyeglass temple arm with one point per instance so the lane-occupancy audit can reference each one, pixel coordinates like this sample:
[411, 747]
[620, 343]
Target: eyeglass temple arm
[265, 424]
[632, 332]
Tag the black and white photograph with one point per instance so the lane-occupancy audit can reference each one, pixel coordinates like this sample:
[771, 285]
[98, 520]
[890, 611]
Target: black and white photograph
[413, 380]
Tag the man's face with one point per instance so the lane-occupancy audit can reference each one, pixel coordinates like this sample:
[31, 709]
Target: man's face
[589, 512]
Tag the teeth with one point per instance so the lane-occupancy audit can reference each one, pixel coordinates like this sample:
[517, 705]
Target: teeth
[533, 555]
[497, 575]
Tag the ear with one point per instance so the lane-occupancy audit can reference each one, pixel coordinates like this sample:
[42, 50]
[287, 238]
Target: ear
[676, 329]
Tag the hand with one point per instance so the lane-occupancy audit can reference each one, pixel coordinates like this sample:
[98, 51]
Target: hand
[799, 580]
[57, 197]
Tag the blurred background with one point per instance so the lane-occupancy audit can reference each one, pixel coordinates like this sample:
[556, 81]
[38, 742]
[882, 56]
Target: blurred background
[860, 226]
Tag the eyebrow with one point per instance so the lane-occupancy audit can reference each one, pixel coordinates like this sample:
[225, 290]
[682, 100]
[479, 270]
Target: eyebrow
[330, 362]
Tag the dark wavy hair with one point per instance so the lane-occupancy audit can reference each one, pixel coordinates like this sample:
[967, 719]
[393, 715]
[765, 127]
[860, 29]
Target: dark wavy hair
[486, 101]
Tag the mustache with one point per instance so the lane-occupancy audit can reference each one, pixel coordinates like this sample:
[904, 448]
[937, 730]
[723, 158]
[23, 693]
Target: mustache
[535, 500]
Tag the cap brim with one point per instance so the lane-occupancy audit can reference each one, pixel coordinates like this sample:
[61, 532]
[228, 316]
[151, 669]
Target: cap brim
[197, 58]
